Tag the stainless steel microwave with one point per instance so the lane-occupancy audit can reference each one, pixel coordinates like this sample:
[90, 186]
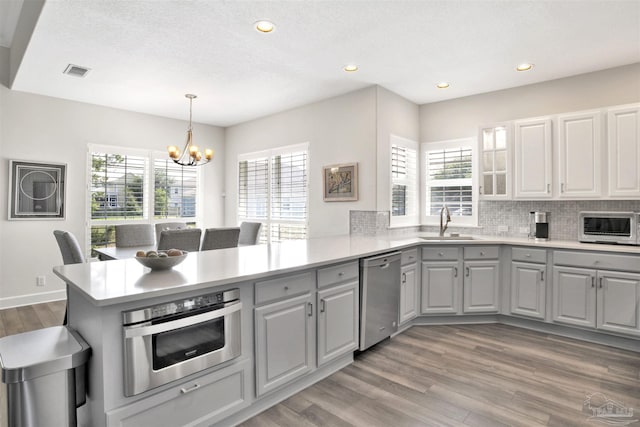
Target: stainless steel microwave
[609, 227]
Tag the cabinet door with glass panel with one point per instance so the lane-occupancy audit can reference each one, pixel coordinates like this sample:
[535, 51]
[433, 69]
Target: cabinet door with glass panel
[495, 162]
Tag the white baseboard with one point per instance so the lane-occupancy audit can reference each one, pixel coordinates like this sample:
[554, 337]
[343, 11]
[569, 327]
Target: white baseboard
[38, 298]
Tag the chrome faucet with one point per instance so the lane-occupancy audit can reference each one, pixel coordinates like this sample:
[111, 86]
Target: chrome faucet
[443, 210]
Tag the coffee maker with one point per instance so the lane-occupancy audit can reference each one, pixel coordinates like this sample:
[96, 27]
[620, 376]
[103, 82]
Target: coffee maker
[539, 225]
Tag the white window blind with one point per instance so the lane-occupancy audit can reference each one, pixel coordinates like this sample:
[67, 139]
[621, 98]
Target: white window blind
[175, 190]
[272, 189]
[404, 194]
[118, 186]
[449, 180]
[129, 185]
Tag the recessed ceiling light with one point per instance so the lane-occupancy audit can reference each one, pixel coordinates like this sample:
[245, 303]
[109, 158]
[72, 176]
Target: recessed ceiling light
[524, 67]
[264, 26]
[442, 85]
[76, 70]
[350, 68]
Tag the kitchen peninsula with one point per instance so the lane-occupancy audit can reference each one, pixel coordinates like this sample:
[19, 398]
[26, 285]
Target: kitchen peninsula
[298, 284]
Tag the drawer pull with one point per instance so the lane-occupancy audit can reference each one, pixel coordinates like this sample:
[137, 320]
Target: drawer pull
[455, 271]
[467, 272]
[341, 274]
[185, 390]
[601, 283]
[542, 276]
[481, 253]
[322, 306]
[528, 255]
[593, 282]
[310, 306]
[440, 254]
[286, 288]
[404, 277]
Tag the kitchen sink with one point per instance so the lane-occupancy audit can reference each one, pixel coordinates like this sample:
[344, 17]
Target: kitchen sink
[448, 238]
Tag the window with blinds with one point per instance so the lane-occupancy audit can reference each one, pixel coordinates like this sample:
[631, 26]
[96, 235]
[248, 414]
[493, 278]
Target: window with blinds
[175, 190]
[272, 189]
[130, 185]
[449, 179]
[117, 186]
[404, 194]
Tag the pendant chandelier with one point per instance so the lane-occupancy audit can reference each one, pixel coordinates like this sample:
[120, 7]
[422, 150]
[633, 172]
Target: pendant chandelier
[191, 154]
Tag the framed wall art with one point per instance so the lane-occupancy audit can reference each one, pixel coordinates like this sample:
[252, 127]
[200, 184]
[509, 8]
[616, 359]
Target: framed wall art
[36, 190]
[340, 182]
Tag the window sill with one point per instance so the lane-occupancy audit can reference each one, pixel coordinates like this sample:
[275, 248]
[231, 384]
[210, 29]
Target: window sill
[451, 225]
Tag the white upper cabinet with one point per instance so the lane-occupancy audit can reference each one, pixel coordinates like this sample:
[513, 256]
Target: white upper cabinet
[533, 161]
[495, 162]
[624, 151]
[580, 154]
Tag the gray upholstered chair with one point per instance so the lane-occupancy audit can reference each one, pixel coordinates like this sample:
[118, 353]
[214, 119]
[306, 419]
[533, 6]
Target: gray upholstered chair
[71, 252]
[163, 226]
[220, 238]
[186, 240]
[249, 233]
[128, 235]
[69, 247]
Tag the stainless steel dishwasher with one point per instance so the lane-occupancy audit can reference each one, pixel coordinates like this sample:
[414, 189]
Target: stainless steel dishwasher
[379, 298]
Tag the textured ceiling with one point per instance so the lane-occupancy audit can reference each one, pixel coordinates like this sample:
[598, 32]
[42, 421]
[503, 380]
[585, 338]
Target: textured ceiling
[145, 55]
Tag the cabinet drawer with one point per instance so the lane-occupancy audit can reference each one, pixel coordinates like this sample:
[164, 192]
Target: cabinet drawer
[283, 287]
[440, 253]
[409, 256]
[529, 255]
[597, 260]
[337, 273]
[481, 252]
[209, 398]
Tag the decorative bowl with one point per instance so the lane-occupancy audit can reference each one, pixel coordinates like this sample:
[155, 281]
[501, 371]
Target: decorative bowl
[164, 263]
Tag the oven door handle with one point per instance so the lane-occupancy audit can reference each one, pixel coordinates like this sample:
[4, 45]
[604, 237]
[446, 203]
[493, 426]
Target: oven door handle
[146, 329]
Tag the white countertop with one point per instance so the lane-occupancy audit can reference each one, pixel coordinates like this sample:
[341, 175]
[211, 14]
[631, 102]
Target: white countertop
[113, 282]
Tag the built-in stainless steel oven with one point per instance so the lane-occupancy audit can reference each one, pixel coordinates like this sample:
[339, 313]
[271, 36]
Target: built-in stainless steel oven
[166, 342]
[609, 227]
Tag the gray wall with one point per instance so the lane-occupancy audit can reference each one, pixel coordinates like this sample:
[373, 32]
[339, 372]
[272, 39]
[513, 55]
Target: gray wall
[39, 128]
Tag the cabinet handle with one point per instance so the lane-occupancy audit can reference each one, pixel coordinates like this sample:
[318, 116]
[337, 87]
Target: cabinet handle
[600, 280]
[542, 276]
[548, 188]
[286, 288]
[455, 271]
[310, 306]
[562, 187]
[404, 277]
[480, 190]
[322, 306]
[481, 253]
[185, 390]
[593, 282]
[341, 274]
[467, 272]
[440, 254]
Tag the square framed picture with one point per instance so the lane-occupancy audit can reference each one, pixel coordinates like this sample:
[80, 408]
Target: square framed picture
[340, 182]
[36, 190]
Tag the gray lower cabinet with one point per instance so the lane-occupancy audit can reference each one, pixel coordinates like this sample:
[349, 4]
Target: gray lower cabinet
[285, 341]
[528, 285]
[408, 286]
[338, 308]
[607, 300]
[574, 296]
[481, 286]
[199, 402]
[441, 283]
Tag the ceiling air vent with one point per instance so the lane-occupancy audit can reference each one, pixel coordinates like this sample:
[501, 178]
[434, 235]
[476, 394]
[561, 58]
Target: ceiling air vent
[76, 70]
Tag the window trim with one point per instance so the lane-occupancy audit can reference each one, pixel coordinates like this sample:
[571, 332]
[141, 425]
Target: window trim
[458, 221]
[405, 220]
[148, 208]
[269, 154]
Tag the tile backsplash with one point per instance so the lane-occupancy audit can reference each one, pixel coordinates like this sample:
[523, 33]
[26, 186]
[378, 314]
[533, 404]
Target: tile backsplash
[563, 218]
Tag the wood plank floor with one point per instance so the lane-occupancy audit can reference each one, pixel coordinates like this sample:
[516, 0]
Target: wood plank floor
[472, 375]
[31, 317]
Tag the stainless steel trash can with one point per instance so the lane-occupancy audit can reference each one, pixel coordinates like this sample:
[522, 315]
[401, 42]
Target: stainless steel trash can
[43, 373]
